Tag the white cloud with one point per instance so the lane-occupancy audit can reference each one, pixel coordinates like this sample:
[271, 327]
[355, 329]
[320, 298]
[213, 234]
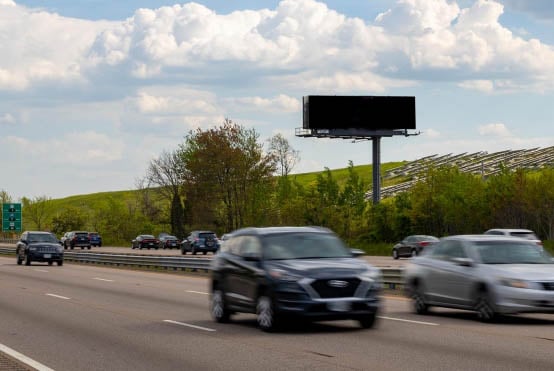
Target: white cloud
[279, 104]
[485, 86]
[494, 130]
[7, 119]
[90, 149]
[432, 133]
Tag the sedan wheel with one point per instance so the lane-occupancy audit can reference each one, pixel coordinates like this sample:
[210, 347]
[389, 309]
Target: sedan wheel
[484, 308]
[395, 254]
[266, 314]
[219, 312]
[418, 301]
[414, 253]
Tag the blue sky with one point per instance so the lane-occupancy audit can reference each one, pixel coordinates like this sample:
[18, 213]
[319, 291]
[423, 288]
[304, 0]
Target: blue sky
[91, 91]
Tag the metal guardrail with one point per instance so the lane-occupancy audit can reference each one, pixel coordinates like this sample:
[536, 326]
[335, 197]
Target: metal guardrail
[392, 277]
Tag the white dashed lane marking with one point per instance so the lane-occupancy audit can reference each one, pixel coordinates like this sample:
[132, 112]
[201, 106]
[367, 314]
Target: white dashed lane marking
[198, 292]
[102, 279]
[58, 296]
[409, 321]
[189, 325]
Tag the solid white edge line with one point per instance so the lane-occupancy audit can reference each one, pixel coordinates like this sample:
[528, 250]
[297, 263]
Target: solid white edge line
[24, 359]
[102, 279]
[189, 325]
[198, 292]
[58, 296]
[409, 321]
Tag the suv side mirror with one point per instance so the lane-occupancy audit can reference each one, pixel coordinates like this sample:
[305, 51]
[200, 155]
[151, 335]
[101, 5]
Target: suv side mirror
[251, 257]
[357, 252]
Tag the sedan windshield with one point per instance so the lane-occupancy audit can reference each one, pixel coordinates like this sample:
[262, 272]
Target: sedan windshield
[304, 246]
[512, 253]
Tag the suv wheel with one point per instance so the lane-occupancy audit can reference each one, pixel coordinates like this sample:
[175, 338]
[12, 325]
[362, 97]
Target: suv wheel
[60, 263]
[19, 260]
[27, 260]
[218, 308]
[395, 254]
[414, 253]
[265, 312]
[193, 251]
[368, 321]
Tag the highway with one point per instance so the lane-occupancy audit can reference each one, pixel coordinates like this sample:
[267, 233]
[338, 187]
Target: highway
[78, 317]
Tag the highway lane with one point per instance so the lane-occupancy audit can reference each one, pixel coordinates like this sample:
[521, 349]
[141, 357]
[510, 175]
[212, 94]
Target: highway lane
[79, 317]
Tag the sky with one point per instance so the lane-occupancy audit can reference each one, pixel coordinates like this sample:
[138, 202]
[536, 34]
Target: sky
[91, 91]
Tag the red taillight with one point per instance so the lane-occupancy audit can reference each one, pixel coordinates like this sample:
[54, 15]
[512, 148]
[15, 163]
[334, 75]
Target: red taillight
[424, 243]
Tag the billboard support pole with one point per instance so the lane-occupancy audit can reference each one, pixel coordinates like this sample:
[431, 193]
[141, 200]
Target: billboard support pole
[376, 144]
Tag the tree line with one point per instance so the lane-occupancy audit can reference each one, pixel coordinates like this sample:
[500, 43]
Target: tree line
[224, 178]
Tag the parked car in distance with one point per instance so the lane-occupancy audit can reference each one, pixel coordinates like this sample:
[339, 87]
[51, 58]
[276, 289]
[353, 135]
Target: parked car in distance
[63, 239]
[95, 239]
[200, 241]
[516, 232]
[412, 245]
[77, 239]
[35, 246]
[145, 241]
[490, 275]
[279, 273]
[168, 241]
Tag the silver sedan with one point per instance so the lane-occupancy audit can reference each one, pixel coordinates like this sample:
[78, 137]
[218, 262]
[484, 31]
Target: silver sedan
[488, 274]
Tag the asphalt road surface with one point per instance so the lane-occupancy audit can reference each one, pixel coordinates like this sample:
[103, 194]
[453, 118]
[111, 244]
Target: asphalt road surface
[78, 317]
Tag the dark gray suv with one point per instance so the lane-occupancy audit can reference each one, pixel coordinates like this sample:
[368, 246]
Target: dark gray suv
[39, 247]
[283, 272]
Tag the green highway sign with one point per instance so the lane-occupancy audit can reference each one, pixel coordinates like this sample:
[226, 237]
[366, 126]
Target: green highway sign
[11, 217]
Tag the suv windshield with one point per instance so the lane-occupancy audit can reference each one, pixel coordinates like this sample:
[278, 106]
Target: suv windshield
[42, 237]
[511, 253]
[304, 246]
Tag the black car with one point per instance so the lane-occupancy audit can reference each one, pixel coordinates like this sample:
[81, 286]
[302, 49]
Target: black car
[37, 246]
[286, 272]
[412, 245]
[168, 241]
[145, 241]
[200, 241]
[77, 239]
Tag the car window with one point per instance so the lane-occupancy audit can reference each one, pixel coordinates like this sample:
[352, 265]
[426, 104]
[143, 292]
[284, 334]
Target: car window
[42, 237]
[304, 246]
[250, 245]
[503, 252]
[526, 235]
[206, 235]
[447, 250]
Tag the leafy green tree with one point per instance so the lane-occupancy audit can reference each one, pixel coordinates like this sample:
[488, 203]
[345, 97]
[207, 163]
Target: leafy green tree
[70, 219]
[228, 177]
[38, 210]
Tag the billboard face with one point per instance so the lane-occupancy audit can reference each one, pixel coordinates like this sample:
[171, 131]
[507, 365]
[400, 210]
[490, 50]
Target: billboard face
[359, 112]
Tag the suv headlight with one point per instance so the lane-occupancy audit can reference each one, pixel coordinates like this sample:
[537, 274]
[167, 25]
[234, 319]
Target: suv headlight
[283, 275]
[372, 274]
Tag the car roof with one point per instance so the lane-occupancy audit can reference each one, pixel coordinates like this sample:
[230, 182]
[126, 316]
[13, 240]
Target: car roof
[277, 230]
[511, 230]
[484, 237]
[38, 232]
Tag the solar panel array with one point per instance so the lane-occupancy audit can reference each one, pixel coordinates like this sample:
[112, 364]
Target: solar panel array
[478, 163]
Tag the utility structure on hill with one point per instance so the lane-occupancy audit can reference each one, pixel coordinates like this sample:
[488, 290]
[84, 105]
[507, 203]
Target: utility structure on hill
[359, 118]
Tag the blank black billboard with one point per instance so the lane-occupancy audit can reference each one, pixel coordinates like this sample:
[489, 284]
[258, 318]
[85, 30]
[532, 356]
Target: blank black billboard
[359, 112]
